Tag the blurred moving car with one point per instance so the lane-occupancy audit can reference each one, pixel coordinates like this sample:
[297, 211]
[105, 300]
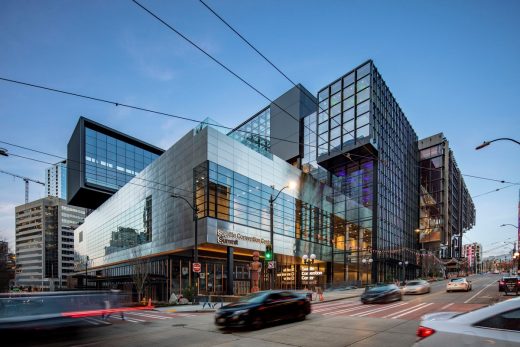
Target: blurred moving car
[460, 283]
[417, 287]
[257, 309]
[382, 294]
[502, 282]
[497, 325]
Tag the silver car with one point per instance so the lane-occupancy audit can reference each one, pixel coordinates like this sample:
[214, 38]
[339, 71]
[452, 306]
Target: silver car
[460, 283]
[416, 287]
[497, 325]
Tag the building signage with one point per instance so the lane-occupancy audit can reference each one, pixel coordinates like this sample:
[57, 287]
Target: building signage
[233, 238]
[310, 273]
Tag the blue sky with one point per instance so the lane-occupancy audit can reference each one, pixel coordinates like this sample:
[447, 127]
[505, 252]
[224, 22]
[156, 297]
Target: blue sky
[453, 66]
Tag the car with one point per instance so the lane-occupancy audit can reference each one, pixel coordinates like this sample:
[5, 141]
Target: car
[382, 294]
[460, 283]
[417, 287]
[257, 309]
[502, 281]
[497, 325]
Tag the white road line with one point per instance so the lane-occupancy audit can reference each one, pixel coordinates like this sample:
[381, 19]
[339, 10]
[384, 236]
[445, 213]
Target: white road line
[148, 315]
[404, 310]
[479, 292]
[334, 304]
[133, 320]
[365, 313]
[348, 310]
[418, 308]
[331, 308]
[446, 306]
[185, 315]
[91, 321]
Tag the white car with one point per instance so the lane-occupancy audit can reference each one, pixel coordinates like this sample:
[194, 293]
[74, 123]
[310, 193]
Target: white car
[460, 283]
[497, 325]
[416, 287]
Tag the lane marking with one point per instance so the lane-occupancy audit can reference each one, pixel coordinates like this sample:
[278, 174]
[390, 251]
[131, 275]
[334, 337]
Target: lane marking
[149, 315]
[467, 301]
[404, 310]
[365, 313]
[133, 320]
[419, 308]
[331, 308]
[446, 306]
[348, 310]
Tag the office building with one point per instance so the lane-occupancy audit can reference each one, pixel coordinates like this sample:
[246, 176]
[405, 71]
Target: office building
[45, 242]
[355, 159]
[447, 210]
[56, 180]
[100, 160]
[473, 254]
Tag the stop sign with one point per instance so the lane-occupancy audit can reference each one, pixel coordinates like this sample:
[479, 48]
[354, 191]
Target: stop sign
[196, 267]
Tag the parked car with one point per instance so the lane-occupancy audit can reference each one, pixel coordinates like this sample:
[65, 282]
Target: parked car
[502, 281]
[257, 309]
[382, 294]
[417, 287]
[497, 325]
[460, 283]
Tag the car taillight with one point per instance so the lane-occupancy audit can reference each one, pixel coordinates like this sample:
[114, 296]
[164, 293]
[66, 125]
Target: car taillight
[502, 282]
[423, 332]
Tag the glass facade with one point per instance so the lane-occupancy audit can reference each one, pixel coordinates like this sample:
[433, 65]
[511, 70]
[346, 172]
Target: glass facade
[110, 162]
[256, 132]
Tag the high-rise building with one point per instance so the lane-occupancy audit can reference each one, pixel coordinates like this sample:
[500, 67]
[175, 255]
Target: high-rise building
[473, 255]
[45, 242]
[369, 149]
[447, 210]
[56, 180]
[100, 160]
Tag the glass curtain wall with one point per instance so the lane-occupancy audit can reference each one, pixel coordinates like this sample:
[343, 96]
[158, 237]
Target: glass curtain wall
[255, 133]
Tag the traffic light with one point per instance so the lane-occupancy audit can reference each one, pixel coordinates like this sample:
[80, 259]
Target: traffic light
[268, 252]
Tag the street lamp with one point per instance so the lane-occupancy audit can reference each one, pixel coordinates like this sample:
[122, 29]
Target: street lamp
[291, 185]
[403, 265]
[487, 143]
[86, 275]
[367, 262]
[196, 241]
[308, 261]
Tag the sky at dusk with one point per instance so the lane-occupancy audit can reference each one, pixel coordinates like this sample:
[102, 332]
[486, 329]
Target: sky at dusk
[453, 67]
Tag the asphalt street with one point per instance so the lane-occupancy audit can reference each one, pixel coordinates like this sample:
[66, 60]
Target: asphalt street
[337, 323]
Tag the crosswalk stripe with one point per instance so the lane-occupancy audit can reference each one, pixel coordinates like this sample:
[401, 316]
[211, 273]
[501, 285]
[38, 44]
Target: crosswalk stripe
[330, 308]
[408, 312]
[404, 310]
[148, 315]
[348, 310]
[185, 315]
[133, 320]
[96, 321]
[446, 306]
[365, 313]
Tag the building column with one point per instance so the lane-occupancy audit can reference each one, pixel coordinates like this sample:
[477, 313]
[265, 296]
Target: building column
[230, 266]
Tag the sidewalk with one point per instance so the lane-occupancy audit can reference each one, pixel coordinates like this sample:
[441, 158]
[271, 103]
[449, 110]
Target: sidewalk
[327, 297]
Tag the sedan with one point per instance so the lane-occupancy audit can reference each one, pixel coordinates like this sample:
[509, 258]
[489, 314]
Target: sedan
[497, 325]
[382, 294]
[417, 287]
[460, 283]
[257, 309]
[502, 282]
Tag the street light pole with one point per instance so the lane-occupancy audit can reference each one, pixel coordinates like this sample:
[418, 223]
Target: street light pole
[196, 238]
[271, 227]
[403, 266]
[487, 143]
[86, 275]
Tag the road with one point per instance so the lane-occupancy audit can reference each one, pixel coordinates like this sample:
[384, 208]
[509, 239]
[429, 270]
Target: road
[338, 323]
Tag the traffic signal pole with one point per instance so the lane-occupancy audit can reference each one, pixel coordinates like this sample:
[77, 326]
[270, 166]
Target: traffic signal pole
[271, 212]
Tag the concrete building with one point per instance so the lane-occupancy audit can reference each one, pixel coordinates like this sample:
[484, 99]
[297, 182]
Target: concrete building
[56, 180]
[45, 242]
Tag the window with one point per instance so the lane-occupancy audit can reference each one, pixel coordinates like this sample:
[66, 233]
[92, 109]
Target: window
[507, 320]
[336, 87]
[324, 94]
[349, 91]
[349, 79]
[362, 71]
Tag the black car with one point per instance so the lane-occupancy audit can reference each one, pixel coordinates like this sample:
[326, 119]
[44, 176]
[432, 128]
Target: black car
[502, 282]
[382, 294]
[257, 309]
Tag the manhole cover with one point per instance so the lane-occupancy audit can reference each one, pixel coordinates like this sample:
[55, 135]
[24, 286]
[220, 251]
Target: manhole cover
[179, 325]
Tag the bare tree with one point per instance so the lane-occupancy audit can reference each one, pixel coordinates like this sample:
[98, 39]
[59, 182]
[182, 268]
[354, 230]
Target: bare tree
[140, 270]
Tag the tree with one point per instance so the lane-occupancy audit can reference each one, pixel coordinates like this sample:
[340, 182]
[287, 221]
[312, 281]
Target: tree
[140, 270]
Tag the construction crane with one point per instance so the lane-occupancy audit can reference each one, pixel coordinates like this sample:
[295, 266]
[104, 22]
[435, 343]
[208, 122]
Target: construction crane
[26, 180]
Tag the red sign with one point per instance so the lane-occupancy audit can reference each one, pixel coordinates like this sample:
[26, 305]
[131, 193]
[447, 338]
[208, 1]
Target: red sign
[196, 267]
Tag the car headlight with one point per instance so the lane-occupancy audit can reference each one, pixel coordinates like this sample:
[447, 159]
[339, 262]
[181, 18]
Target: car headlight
[240, 312]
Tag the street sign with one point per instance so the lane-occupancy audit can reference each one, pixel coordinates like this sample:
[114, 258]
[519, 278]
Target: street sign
[196, 267]
[271, 264]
